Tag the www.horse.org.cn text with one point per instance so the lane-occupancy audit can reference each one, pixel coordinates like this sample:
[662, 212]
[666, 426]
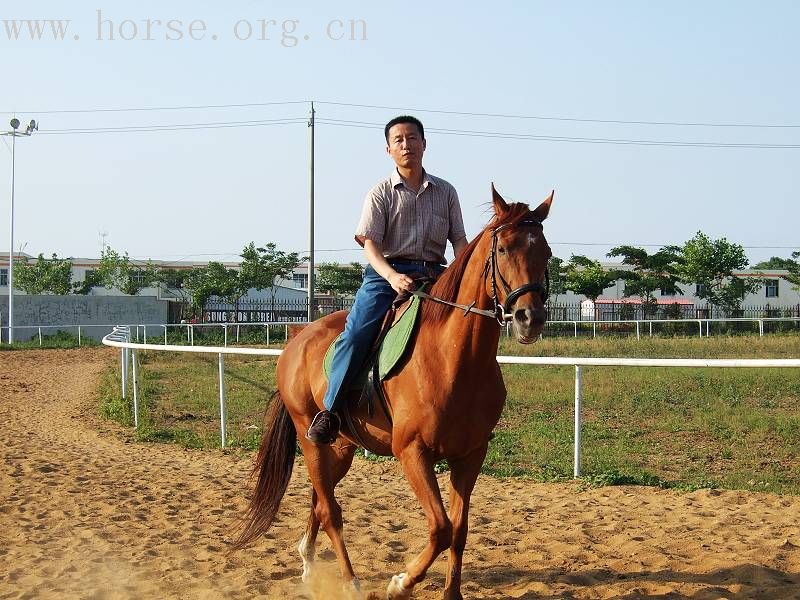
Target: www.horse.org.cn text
[108, 27]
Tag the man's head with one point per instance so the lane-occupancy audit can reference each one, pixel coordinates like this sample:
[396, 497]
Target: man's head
[405, 141]
[404, 119]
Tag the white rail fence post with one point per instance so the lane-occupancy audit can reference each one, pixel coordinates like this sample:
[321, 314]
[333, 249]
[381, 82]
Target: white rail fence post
[577, 457]
[222, 408]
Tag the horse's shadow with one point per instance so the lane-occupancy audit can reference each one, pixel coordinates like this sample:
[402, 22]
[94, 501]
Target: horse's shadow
[755, 582]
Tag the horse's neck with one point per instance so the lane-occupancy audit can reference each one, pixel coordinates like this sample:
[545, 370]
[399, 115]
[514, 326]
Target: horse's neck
[475, 337]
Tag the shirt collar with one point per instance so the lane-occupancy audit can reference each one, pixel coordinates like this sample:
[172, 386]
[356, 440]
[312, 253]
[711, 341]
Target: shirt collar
[396, 180]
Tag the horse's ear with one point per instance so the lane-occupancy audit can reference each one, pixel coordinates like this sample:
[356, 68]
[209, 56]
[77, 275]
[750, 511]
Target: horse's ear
[500, 205]
[543, 209]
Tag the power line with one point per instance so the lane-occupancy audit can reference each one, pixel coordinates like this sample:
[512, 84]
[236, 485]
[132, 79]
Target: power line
[581, 140]
[165, 108]
[419, 110]
[568, 119]
[175, 127]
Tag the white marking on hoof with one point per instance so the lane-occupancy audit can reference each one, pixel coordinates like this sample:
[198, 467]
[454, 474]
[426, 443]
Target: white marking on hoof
[306, 551]
[399, 588]
[352, 589]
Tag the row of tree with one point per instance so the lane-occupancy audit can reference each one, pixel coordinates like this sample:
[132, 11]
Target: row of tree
[711, 264]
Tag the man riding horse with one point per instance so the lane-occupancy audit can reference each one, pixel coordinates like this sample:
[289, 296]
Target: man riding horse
[405, 224]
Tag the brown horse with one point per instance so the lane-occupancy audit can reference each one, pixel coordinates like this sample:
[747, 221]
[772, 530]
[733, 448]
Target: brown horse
[444, 398]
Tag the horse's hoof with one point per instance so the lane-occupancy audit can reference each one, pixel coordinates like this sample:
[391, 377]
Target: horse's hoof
[399, 589]
[352, 589]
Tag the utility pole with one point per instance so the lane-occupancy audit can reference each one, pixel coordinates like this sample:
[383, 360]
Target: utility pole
[311, 221]
[32, 126]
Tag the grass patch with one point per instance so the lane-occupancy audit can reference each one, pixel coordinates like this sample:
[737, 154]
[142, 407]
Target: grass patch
[59, 339]
[671, 427]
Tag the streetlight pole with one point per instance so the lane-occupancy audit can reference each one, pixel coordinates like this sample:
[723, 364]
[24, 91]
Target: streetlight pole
[14, 134]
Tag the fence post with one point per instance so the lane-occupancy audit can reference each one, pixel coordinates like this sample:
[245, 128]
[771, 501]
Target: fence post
[637, 330]
[225, 334]
[135, 391]
[191, 331]
[124, 364]
[651, 329]
[577, 466]
[79, 336]
[575, 324]
[267, 334]
[40, 337]
[222, 398]
[165, 335]
[144, 332]
[761, 328]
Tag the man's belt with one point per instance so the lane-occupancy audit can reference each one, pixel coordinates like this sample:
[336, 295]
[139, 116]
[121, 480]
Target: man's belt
[413, 261]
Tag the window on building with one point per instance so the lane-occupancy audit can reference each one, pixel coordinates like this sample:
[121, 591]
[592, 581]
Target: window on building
[4, 277]
[699, 289]
[300, 280]
[771, 286]
[667, 292]
[138, 277]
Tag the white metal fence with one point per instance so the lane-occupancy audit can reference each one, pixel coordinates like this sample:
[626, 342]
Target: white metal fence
[121, 338]
[233, 331]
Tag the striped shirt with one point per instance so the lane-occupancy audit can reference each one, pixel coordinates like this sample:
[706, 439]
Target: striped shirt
[410, 224]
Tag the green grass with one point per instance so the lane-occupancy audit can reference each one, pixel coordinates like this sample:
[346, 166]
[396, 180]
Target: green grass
[683, 427]
[60, 339]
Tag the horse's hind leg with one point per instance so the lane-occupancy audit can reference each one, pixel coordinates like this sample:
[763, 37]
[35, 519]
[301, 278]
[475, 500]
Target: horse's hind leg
[326, 467]
[463, 473]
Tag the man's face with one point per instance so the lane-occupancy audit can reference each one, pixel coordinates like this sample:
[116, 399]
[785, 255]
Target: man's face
[406, 145]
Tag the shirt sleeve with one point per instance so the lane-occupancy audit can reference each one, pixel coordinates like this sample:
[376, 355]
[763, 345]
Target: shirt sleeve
[456, 231]
[372, 224]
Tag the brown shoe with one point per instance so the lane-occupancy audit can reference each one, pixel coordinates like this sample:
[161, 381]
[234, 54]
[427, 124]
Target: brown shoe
[324, 428]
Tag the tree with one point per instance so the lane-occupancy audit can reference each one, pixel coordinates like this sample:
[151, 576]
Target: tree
[261, 267]
[794, 271]
[710, 264]
[588, 277]
[44, 276]
[789, 264]
[338, 279]
[775, 263]
[557, 272]
[176, 280]
[215, 279]
[650, 272]
[117, 271]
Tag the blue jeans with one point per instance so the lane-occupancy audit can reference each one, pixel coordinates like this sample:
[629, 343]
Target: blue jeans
[361, 329]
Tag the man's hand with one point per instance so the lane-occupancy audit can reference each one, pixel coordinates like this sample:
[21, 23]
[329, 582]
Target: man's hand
[400, 282]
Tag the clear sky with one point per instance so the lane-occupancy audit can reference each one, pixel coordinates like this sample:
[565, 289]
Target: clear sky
[554, 69]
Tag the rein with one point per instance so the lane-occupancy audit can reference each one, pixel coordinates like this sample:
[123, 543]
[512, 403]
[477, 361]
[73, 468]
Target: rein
[501, 312]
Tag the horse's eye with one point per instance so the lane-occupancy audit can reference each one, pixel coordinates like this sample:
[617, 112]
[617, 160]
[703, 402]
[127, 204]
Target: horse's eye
[501, 250]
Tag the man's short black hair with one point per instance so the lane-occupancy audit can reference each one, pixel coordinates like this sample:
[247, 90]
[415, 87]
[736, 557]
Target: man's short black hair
[403, 119]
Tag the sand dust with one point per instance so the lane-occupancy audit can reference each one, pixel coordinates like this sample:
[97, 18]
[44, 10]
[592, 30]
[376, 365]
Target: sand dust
[85, 513]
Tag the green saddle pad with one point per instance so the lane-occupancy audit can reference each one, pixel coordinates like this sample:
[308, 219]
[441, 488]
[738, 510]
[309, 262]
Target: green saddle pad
[392, 348]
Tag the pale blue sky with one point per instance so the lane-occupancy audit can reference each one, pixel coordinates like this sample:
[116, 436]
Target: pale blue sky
[205, 193]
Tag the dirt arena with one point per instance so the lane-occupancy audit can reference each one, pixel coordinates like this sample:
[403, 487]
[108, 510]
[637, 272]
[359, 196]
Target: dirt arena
[85, 513]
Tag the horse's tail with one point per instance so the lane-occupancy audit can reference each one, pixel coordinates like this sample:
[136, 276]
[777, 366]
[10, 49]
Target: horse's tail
[274, 467]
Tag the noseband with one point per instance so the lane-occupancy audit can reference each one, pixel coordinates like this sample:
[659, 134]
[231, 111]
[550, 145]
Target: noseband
[503, 311]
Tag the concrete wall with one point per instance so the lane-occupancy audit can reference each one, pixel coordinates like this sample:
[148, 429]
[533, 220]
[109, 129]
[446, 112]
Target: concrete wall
[86, 311]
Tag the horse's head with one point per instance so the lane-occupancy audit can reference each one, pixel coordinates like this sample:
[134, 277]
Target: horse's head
[518, 265]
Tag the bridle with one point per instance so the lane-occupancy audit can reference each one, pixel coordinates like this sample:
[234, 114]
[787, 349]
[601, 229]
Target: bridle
[502, 310]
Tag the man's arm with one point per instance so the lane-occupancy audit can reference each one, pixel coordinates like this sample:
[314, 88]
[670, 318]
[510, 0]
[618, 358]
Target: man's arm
[398, 281]
[459, 245]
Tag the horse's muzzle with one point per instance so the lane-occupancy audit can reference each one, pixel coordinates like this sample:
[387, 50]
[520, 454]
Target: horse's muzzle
[528, 322]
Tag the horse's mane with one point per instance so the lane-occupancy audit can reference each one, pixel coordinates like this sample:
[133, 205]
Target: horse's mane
[446, 287]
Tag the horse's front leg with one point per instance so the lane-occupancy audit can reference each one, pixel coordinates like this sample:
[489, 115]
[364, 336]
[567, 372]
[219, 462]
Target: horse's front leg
[463, 473]
[418, 468]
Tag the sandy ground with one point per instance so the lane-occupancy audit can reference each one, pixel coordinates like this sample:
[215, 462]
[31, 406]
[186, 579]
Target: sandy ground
[85, 513]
